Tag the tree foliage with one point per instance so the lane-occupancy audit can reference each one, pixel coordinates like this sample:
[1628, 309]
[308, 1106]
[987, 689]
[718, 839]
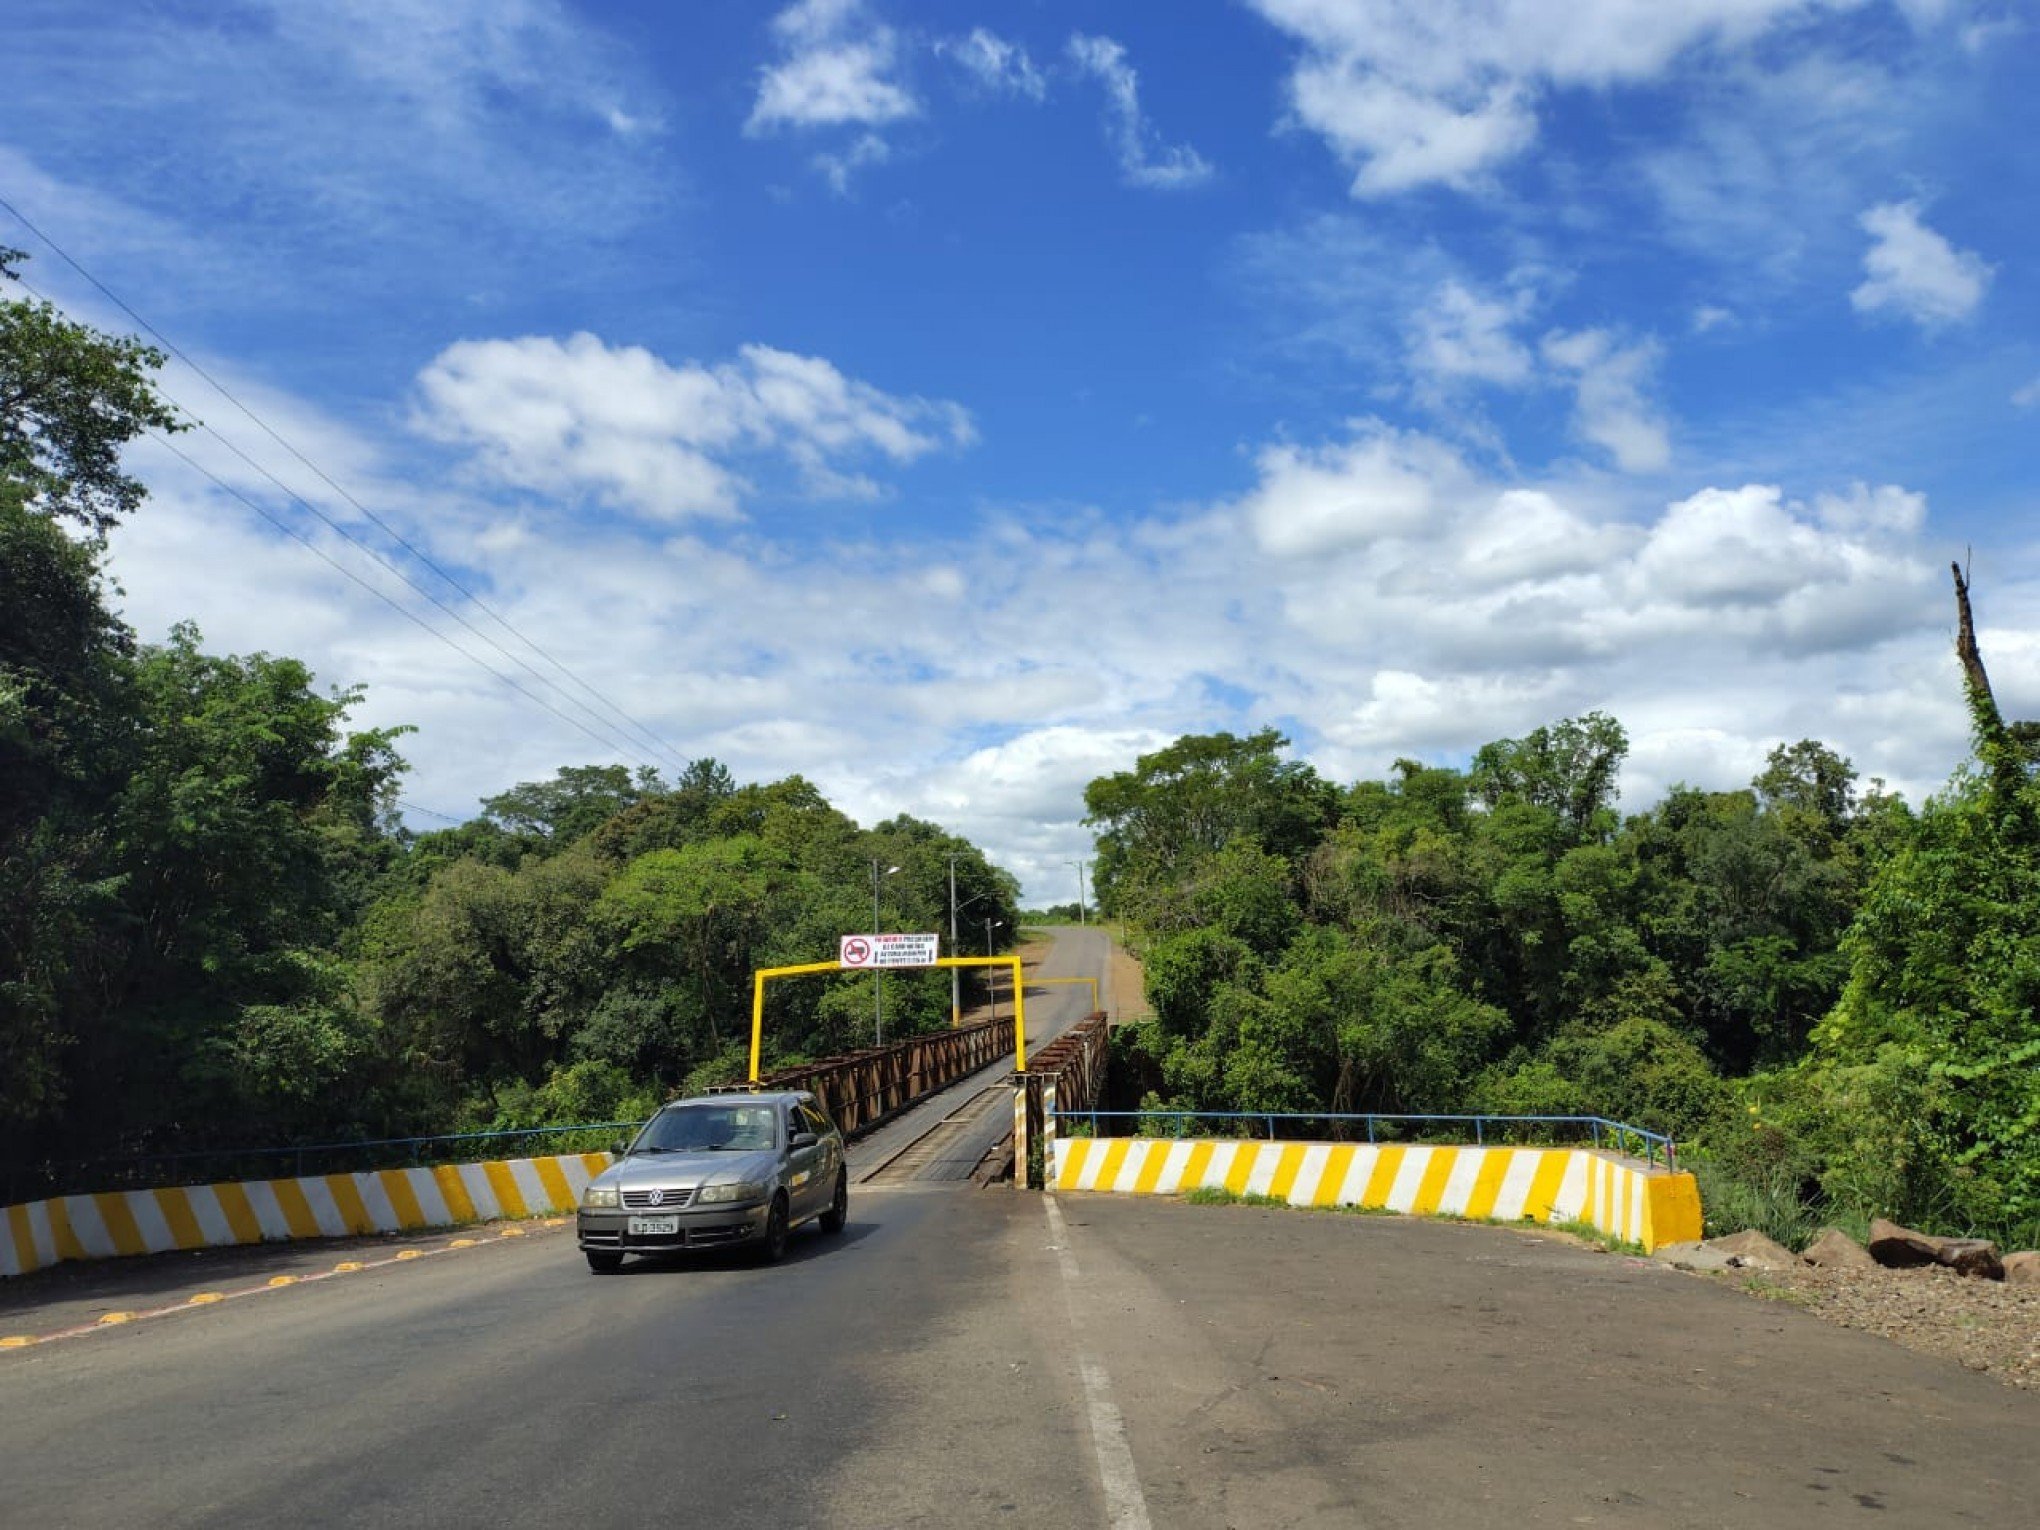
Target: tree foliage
[70, 399]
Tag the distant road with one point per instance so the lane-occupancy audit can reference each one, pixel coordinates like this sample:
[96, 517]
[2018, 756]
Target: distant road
[964, 1357]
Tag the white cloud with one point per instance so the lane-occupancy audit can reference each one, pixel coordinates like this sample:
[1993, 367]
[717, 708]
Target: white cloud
[580, 416]
[1612, 410]
[1419, 92]
[1382, 484]
[997, 65]
[1529, 535]
[1912, 271]
[1379, 589]
[1708, 318]
[1142, 160]
[834, 73]
[838, 169]
[2028, 396]
[1460, 334]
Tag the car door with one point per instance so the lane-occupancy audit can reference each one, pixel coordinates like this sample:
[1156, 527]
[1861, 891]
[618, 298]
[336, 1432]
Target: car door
[809, 1187]
[830, 1163]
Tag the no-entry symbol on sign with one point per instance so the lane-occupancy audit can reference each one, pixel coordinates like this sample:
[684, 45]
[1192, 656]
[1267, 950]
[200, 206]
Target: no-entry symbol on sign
[889, 951]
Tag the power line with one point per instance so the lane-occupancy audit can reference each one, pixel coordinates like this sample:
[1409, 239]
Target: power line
[429, 812]
[606, 739]
[631, 725]
[402, 610]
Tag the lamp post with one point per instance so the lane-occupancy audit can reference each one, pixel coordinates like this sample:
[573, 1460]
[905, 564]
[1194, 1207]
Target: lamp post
[1080, 890]
[955, 973]
[877, 974]
[991, 979]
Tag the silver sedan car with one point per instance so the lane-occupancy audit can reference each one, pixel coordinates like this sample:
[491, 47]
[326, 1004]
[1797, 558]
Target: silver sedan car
[716, 1170]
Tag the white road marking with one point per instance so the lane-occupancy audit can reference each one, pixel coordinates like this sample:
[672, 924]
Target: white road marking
[1125, 1504]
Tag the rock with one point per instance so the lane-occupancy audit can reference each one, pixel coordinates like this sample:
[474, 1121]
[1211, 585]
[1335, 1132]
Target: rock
[1752, 1250]
[1900, 1248]
[1836, 1250]
[1974, 1257]
[2023, 1268]
[1695, 1256]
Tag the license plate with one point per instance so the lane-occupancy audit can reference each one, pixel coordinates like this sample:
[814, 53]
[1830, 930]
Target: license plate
[653, 1227]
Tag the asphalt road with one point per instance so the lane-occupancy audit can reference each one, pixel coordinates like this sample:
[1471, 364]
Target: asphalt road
[962, 1357]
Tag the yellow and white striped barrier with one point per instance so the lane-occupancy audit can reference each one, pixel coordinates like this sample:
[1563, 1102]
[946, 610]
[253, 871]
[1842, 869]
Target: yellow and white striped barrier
[111, 1223]
[1622, 1198]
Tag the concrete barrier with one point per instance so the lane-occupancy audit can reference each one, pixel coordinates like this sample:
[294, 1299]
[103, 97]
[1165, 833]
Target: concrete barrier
[1620, 1196]
[111, 1223]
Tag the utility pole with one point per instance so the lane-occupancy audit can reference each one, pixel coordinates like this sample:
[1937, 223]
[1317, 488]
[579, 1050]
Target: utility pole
[1081, 919]
[955, 973]
[877, 974]
[991, 980]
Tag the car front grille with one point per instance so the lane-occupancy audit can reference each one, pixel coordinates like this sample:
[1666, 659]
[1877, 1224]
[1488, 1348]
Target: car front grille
[667, 1200]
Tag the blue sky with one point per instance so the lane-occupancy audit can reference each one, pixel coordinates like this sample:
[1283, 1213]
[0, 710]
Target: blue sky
[951, 403]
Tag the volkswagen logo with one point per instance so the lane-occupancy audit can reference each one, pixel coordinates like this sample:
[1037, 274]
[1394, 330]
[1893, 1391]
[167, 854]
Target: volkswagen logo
[657, 1197]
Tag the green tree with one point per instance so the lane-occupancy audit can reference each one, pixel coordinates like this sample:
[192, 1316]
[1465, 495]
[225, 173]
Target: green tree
[70, 399]
[1569, 767]
[1187, 802]
[550, 815]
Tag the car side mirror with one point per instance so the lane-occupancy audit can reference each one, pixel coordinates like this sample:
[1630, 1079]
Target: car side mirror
[619, 1149]
[802, 1139]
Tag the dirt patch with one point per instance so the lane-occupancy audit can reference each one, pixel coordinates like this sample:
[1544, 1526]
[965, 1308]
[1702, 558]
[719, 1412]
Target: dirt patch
[1982, 1325]
[1126, 986]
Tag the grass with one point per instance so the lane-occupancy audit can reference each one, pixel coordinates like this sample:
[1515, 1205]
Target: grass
[1587, 1232]
[1771, 1291]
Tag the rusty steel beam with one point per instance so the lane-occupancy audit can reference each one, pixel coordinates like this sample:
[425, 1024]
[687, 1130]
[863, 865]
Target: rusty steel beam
[862, 1089]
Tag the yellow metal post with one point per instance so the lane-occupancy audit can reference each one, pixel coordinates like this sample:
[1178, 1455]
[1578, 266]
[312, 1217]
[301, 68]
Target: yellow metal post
[757, 1020]
[758, 978]
[1019, 1019]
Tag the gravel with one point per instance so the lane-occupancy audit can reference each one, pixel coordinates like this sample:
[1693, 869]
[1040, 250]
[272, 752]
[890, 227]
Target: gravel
[1982, 1325]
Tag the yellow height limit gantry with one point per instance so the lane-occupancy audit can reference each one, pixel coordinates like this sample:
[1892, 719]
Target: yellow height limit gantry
[804, 969]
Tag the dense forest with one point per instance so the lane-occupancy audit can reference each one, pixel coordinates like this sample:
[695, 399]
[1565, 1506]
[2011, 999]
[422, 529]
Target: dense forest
[214, 929]
[1828, 995]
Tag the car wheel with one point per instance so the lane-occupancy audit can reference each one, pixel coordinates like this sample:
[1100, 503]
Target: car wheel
[772, 1248]
[602, 1261]
[839, 1208]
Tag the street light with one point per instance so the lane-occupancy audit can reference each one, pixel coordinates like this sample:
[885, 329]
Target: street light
[955, 973]
[991, 979]
[877, 974]
[1080, 890]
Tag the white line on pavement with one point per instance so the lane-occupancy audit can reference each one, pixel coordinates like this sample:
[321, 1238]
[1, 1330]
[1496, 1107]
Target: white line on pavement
[1125, 1504]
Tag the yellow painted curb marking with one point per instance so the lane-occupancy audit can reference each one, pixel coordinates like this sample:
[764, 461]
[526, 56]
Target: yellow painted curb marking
[347, 1267]
[283, 1280]
[410, 1253]
[16, 1341]
[462, 1243]
[511, 1232]
[116, 1317]
[206, 1298]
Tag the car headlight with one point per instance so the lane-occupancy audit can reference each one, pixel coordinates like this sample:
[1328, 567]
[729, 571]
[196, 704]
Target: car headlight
[596, 1197]
[716, 1195]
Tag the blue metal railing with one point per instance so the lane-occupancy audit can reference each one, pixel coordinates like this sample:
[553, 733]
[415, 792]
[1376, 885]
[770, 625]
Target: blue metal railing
[1602, 1132]
[145, 1170]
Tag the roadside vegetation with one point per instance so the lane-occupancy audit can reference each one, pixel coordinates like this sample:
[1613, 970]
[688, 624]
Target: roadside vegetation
[215, 931]
[1825, 995]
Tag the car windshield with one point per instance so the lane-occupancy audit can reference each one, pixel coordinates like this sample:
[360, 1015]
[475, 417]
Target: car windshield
[707, 1128]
